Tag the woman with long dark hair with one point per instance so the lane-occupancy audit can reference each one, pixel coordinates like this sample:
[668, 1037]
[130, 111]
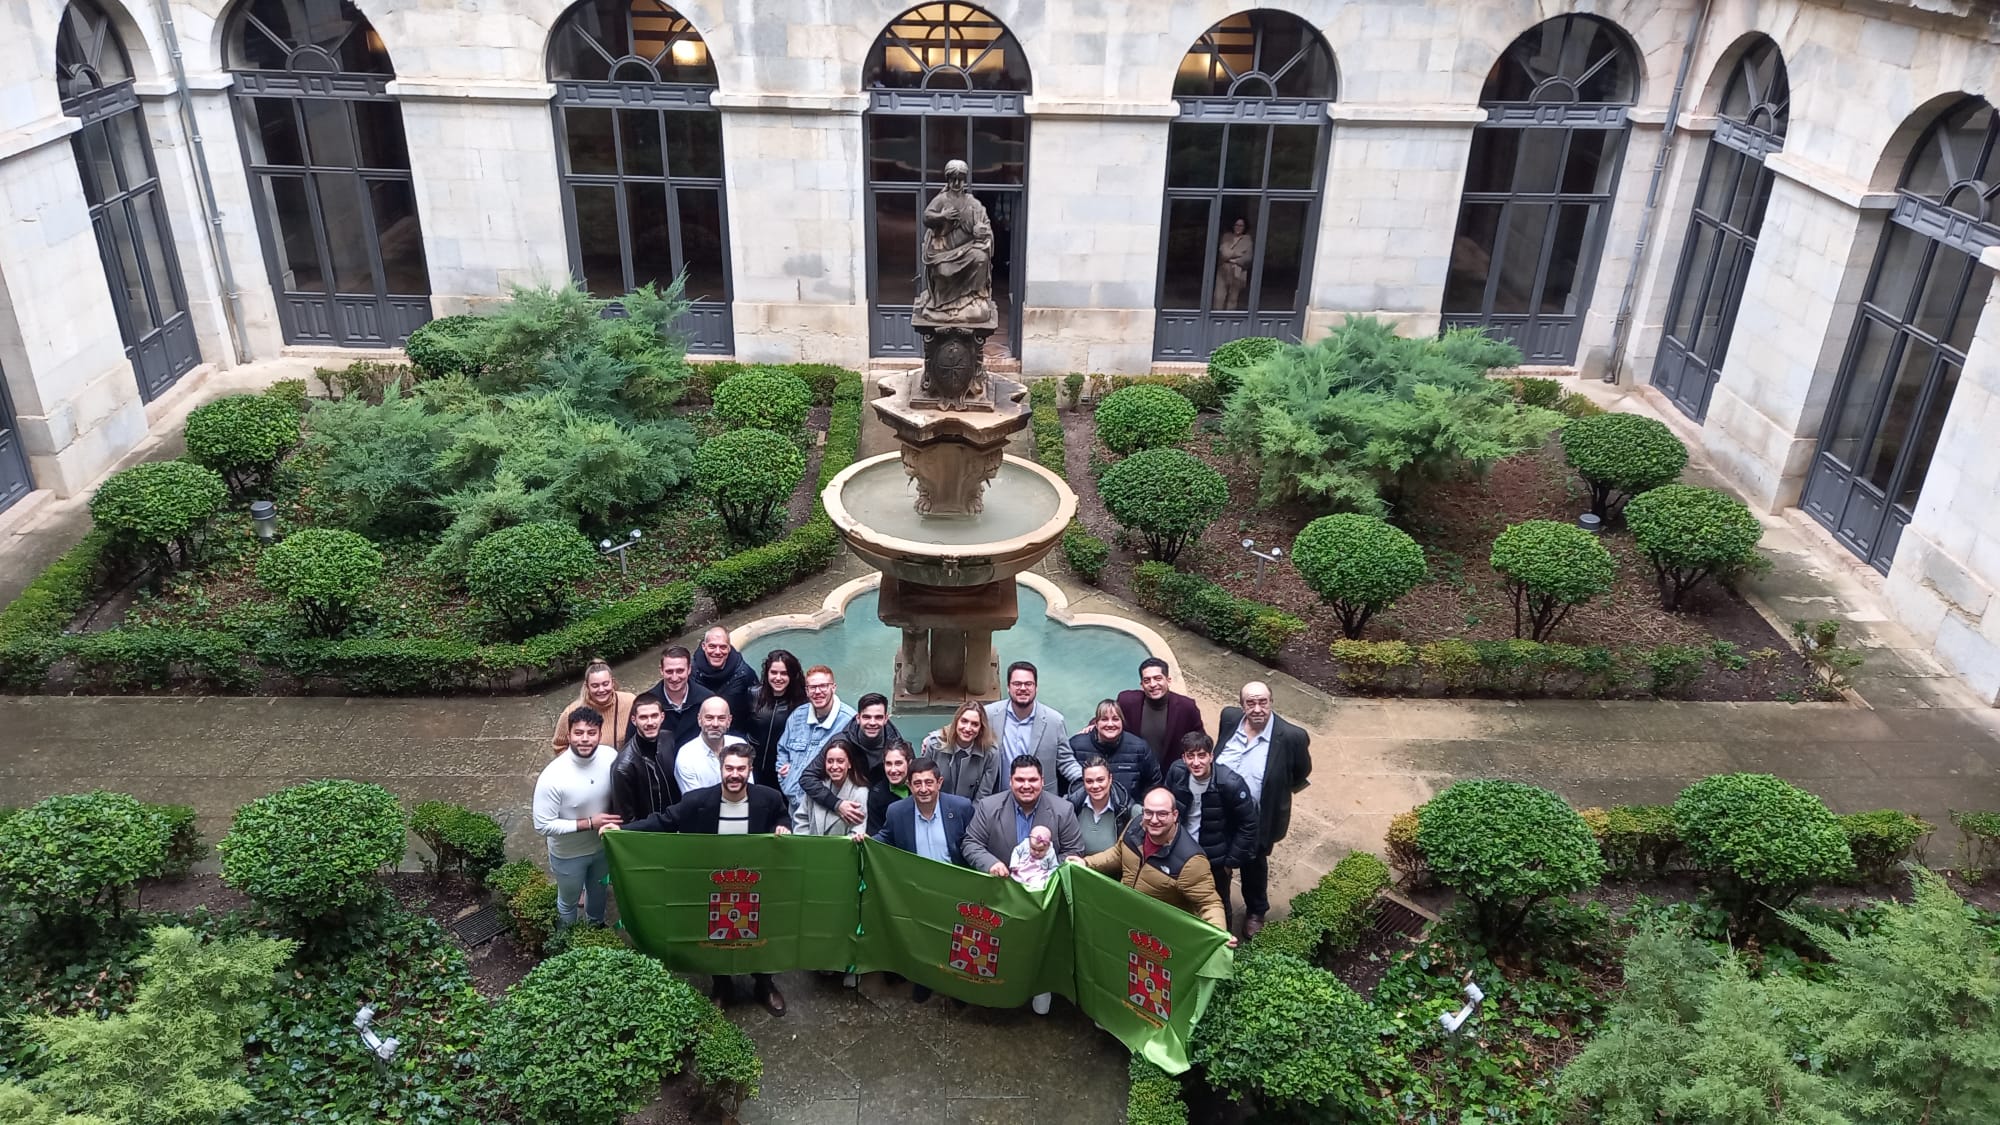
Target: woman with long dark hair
[781, 689]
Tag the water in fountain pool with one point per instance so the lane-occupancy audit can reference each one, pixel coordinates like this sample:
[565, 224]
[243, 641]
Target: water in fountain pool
[882, 497]
[1079, 665]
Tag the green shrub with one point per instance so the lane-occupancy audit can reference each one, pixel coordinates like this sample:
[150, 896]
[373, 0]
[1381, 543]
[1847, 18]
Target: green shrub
[1406, 853]
[532, 910]
[1200, 392]
[1330, 916]
[1292, 1036]
[445, 346]
[1550, 568]
[184, 843]
[460, 840]
[749, 474]
[1144, 417]
[1760, 841]
[623, 1023]
[1154, 1096]
[1226, 363]
[1085, 553]
[1620, 456]
[1978, 843]
[1073, 388]
[764, 398]
[1532, 391]
[1689, 534]
[1168, 496]
[508, 878]
[159, 511]
[367, 380]
[242, 437]
[748, 576]
[1189, 599]
[323, 573]
[1641, 841]
[527, 573]
[291, 392]
[727, 1065]
[820, 378]
[1048, 427]
[376, 466]
[1505, 847]
[72, 858]
[1881, 840]
[1359, 565]
[55, 596]
[1573, 405]
[315, 849]
[583, 935]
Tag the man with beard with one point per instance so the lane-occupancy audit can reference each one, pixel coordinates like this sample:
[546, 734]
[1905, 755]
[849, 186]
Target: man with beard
[734, 808]
[1026, 725]
[869, 734]
[1160, 859]
[807, 731]
[572, 801]
[723, 671]
[680, 693]
[698, 763]
[642, 778]
[1000, 822]
[1158, 714]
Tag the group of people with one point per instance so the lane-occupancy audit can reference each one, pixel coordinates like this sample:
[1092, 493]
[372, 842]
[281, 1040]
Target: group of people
[1142, 793]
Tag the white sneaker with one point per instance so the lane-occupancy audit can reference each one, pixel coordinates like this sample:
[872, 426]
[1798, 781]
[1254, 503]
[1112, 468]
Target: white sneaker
[1041, 1003]
[848, 980]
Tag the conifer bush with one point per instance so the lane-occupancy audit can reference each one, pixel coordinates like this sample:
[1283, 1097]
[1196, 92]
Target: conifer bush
[1168, 496]
[1550, 568]
[1144, 416]
[242, 437]
[750, 474]
[159, 512]
[323, 573]
[1760, 841]
[764, 398]
[1357, 564]
[1506, 847]
[1620, 456]
[1690, 534]
[527, 573]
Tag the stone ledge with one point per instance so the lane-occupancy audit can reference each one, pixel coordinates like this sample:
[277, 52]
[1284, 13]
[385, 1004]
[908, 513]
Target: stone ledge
[419, 89]
[839, 104]
[1392, 113]
[1827, 182]
[36, 134]
[1049, 107]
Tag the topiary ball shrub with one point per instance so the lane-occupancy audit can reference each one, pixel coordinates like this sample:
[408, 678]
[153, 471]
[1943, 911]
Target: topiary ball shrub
[242, 437]
[1291, 1035]
[445, 346]
[1505, 847]
[314, 850]
[462, 841]
[1357, 564]
[1168, 496]
[763, 398]
[324, 574]
[1085, 553]
[1144, 416]
[587, 1035]
[1760, 841]
[727, 1065]
[1550, 569]
[750, 474]
[1227, 362]
[1689, 534]
[1621, 455]
[526, 573]
[1883, 839]
[72, 858]
[159, 511]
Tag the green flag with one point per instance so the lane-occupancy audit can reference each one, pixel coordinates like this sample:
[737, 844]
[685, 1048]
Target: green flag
[964, 933]
[1144, 969]
[737, 904]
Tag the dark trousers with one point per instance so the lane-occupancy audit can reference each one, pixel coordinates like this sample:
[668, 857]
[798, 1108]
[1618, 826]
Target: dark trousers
[760, 984]
[1257, 886]
[1222, 891]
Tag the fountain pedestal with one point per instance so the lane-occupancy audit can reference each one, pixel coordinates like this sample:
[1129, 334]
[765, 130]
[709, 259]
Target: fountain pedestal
[946, 655]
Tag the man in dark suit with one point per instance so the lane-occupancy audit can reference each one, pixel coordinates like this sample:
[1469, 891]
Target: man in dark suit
[1274, 758]
[929, 822]
[1002, 821]
[734, 808]
[1157, 714]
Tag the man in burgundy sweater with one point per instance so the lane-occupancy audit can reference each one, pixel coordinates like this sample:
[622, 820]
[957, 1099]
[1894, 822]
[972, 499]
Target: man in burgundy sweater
[1158, 715]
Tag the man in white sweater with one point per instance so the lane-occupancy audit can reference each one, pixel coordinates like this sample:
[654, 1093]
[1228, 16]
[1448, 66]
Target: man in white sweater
[573, 801]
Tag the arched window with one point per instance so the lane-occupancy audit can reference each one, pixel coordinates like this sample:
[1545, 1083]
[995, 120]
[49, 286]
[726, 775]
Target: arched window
[122, 185]
[1910, 337]
[330, 172]
[1538, 185]
[945, 82]
[1722, 229]
[641, 148]
[1245, 160]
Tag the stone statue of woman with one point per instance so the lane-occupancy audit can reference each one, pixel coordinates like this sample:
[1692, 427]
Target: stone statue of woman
[958, 256]
[1232, 266]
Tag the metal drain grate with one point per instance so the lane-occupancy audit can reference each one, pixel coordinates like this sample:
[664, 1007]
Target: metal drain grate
[480, 926]
[1392, 917]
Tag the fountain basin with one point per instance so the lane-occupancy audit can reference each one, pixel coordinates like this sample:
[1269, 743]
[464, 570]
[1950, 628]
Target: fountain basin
[1026, 509]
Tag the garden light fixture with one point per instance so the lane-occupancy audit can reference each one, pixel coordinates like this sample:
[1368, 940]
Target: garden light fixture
[264, 517]
[364, 1022]
[607, 547]
[1452, 1021]
[1275, 554]
[1591, 522]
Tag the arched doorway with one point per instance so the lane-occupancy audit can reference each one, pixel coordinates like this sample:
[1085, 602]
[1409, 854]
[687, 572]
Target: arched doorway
[1722, 229]
[114, 158]
[945, 82]
[641, 150]
[1245, 161]
[330, 173]
[1538, 185]
[1916, 320]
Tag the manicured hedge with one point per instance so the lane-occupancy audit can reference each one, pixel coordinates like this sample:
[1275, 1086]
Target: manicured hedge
[1328, 917]
[1154, 1097]
[1247, 626]
[1521, 668]
[1047, 426]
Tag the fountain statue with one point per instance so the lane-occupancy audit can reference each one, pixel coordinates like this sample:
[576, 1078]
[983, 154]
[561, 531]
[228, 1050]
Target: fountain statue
[948, 555]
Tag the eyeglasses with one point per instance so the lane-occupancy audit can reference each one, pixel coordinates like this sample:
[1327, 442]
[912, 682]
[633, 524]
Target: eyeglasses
[1149, 814]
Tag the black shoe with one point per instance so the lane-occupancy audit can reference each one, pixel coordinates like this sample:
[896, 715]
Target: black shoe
[919, 994]
[774, 1001]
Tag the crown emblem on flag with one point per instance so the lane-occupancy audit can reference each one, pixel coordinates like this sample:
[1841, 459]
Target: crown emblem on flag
[981, 915]
[735, 879]
[1150, 945]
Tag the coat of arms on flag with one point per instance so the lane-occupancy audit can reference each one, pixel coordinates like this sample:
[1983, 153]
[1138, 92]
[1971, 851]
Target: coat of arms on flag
[975, 943]
[1150, 983]
[733, 907]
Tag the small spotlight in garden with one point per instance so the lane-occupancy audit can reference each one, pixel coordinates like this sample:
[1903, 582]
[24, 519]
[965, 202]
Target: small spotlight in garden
[1274, 555]
[382, 1049]
[264, 517]
[1589, 521]
[1452, 1021]
[607, 547]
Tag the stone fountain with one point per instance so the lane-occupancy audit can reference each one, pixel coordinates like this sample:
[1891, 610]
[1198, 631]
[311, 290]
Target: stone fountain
[950, 519]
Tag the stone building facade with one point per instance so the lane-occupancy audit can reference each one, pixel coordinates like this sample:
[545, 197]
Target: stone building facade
[1780, 215]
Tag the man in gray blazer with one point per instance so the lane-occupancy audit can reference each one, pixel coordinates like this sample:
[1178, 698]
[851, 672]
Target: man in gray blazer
[1002, 821]
[1024, 725]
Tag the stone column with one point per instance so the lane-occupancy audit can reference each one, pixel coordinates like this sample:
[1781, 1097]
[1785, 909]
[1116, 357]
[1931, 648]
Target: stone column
[1663, 248]
[1813, 257]
[187, 224]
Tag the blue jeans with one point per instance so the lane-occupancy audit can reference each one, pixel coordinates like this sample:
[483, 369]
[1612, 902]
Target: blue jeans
[585, 875]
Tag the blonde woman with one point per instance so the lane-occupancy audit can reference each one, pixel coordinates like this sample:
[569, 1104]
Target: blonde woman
[967, 753]
[600, 693]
